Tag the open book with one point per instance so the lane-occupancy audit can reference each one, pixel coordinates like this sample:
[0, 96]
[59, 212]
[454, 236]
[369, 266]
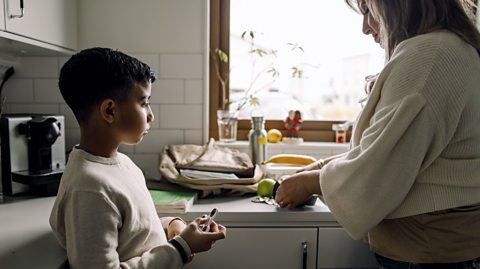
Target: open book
[172, 201]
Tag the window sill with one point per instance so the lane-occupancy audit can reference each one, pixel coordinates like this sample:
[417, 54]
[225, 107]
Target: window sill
[314, 149]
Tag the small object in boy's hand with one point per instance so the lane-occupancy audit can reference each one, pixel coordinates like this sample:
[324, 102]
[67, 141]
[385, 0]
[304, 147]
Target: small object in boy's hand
[210, 217]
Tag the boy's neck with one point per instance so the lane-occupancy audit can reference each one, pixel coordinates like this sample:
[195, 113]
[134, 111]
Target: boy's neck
[102, 152]
[97, 144]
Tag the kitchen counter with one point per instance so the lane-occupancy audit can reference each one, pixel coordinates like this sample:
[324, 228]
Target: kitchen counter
[25, 235]
[27, 241]
[240, 211]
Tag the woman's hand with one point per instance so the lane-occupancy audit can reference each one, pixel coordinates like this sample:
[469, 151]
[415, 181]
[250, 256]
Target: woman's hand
[175, 227]
[297, 188]
[199, 240]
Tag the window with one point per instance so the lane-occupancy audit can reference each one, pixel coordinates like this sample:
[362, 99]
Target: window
[324, 79]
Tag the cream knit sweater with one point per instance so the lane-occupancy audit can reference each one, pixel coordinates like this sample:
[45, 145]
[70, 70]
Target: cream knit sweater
[105, 218]
[416, 145]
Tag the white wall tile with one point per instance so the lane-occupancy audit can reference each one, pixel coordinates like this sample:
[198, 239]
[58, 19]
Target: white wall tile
[181, 116]
[157, 139]
[165, 91]
[155, 111]
[150, 59]
[127, 149]
[61, 62]
[6, 109]
[72, 138]
[18, 91]
[194, 91]
[148, 163]
[172, 26]
[35, 108]
[194, 137]
[187, 66]
[47, 91]
[37, 67]
[70, 120]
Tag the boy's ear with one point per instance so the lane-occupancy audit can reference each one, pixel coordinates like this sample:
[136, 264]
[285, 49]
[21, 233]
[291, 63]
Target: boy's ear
[107, 110]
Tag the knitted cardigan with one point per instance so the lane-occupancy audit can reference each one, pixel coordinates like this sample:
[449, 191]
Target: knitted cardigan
[416, 144]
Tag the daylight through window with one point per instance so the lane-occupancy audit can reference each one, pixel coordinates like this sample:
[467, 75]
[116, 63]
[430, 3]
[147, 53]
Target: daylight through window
[305, 55]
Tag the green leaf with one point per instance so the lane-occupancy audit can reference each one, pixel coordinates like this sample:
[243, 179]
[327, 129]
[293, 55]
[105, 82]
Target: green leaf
[297, 72]
[260, 52]
[274, 72]
[295, 46]
[252, 34]
[243, 34]
[222, 56]
[254, 101]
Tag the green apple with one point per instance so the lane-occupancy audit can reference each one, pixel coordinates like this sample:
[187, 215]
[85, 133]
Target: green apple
[265, 187]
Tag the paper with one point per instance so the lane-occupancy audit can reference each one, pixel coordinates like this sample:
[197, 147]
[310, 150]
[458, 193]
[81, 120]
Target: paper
[206, 174]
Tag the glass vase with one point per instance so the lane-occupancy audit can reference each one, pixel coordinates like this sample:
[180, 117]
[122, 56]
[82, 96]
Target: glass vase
[227, 125]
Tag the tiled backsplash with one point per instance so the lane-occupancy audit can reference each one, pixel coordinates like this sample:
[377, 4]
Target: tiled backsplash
[177, 102]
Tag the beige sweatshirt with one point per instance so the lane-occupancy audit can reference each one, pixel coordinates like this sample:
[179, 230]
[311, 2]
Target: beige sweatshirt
[105, 218]
[416, 144]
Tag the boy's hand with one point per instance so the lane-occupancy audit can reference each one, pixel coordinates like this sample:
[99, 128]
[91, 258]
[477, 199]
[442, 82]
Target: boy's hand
[199, 240]
[175, 227]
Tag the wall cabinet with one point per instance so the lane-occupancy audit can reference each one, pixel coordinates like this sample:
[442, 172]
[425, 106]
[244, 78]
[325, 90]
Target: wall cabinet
[51, 24]
[2, 11]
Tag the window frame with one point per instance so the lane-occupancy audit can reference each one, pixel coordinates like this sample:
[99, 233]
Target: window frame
[318, 131]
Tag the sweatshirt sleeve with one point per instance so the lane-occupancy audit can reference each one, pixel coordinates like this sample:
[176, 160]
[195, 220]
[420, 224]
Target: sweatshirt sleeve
[91, 227]
[369, 182]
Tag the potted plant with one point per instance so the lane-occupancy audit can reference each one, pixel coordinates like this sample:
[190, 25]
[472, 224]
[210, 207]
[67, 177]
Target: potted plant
[228, 112]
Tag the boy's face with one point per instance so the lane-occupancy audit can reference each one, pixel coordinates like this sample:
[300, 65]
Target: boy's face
[134, 115]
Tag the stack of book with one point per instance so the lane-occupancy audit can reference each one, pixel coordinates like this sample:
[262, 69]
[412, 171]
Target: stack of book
[172, 201]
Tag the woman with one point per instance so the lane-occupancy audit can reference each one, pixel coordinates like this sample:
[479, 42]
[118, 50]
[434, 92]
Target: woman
[410, 184]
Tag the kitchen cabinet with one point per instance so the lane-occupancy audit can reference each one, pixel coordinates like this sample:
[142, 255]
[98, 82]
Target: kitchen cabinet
[337, 250]
[51, 24]
[264, 236]
[261, 248]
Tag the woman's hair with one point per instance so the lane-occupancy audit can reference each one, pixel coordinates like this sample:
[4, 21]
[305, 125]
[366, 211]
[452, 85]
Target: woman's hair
[402, 19]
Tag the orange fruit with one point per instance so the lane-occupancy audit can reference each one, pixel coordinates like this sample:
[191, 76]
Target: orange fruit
[274, 136]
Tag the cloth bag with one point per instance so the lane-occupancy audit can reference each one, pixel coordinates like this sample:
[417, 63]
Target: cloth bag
[213, 158]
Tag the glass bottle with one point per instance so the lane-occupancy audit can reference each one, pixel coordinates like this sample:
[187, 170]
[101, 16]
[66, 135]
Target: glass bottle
[257, 140]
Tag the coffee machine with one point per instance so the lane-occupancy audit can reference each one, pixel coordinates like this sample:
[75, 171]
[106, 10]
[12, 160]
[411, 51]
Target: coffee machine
[32, 153]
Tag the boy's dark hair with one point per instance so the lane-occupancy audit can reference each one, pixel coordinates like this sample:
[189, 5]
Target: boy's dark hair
[96, 74]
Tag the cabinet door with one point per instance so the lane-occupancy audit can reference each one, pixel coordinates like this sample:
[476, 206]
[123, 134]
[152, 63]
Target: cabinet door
[50, 21]
[279, 248]
[336, 249]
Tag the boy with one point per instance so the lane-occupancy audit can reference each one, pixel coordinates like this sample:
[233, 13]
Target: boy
[103, 214]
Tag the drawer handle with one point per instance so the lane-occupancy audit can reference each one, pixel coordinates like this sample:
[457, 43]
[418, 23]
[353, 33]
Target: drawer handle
[305, 252]
[22, 12]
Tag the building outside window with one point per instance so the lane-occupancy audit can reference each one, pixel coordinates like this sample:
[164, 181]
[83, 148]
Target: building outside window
[322, 58]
